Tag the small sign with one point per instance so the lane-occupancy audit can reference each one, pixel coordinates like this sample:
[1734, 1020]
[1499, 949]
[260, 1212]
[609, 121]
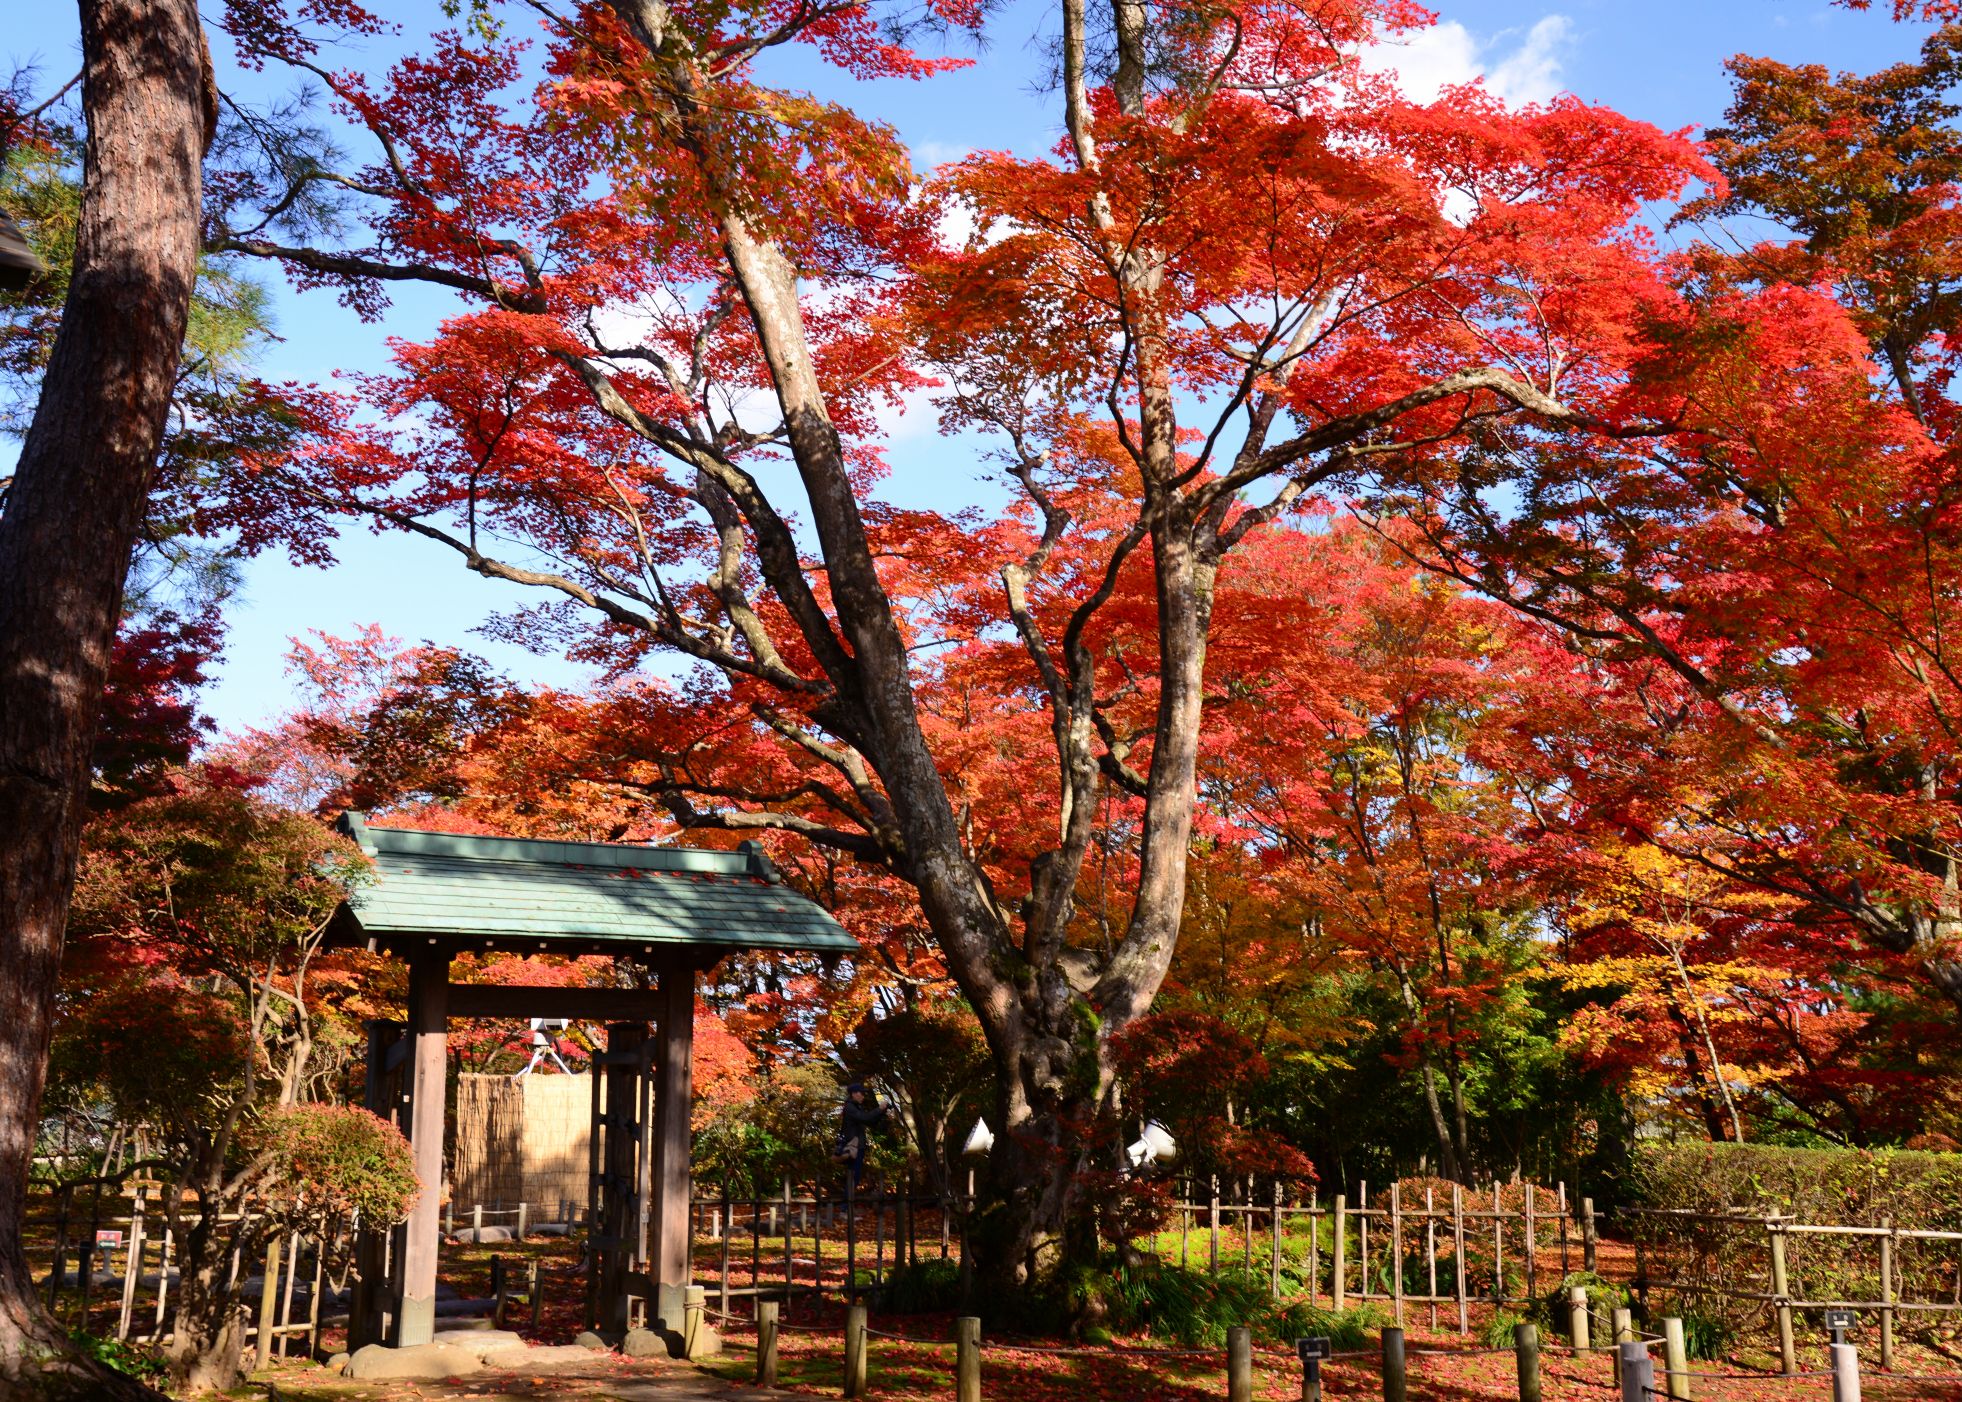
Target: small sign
[1839, 1321]
[1317, 1348]
[107, 1240]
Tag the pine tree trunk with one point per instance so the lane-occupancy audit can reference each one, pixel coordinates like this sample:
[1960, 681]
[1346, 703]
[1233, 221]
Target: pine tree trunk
[69, 523]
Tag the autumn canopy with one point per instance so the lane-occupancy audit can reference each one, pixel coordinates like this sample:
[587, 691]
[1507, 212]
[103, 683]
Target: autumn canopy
[1447, 651]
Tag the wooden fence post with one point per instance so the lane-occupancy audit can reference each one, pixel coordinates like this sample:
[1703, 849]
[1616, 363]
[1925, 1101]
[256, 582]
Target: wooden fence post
[1274, 1263]
[766, 1343]
[1577, 1330]
[855, 1351]
[1239, 1365]
[1526, 1352]
[789, 1264]
[1340, 1247]
[1887, 1294]
[268, 1301]
[132, 1265]
[1396, 1251]
[1675, 1360]
[535, 1285]
[286, 1291]
[1212, 1225]
[1532, 1248]
[1588, 1237]
[1781, 1294]
[967, 1359]
[1458, 1260]
[1396, 1386]
[1621, 1320]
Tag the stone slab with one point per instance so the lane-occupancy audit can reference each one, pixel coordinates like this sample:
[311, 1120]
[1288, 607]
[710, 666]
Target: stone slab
[422, 1361]
[481, 1341]
[544, 1358]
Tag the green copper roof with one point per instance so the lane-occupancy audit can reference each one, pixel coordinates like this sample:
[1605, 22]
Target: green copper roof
[524, 895]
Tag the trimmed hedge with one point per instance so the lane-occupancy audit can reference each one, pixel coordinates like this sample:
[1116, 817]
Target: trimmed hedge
[1817, 1187]
[1840, 1187]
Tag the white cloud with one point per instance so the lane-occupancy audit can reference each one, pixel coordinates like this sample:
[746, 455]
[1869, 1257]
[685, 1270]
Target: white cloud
[1520, 68]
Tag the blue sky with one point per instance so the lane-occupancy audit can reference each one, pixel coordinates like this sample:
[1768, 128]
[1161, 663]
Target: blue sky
[1661, 61]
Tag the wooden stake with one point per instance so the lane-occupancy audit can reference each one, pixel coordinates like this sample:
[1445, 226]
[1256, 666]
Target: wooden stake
[1239, 1365]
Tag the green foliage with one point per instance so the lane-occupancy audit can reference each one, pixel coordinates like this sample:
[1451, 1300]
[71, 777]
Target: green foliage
[1498, 1330]
[331, 1161]
[1706, 1335]
[160, 1051]
[1604, 1297]
[1194, 1308]
[930, 1286]
[785, 1130]
[131, 1360]
[1851, 1187]
[1751, 1182]
[223, 882]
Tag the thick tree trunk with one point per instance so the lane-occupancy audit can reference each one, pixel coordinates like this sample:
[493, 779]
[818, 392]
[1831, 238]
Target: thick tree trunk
[207, 1340]
[70, 521]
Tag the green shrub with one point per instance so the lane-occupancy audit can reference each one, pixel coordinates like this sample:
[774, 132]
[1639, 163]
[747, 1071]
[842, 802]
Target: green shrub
[131, 1360]
[1821, 1187]
[1604, 1297]
[1706, 1335]
[926, 1287]
[1195, 1309]
[1497, 1332]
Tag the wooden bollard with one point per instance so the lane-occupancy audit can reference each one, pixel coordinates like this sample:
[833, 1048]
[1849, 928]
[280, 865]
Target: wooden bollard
[521, 1223]
[1589, 1239]
[1526, 1350]
[1239, 1365]
[500, 1291]
[855, 1351]
[1396, 1386]
[535, 1284]
[1577, 1330]
[1622, 1321]
[268, 1305]
[766, 1343]
[967, 1359]
[1675, 1360]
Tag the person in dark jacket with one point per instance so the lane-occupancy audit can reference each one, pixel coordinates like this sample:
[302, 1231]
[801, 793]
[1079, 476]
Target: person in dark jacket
[859, 1114]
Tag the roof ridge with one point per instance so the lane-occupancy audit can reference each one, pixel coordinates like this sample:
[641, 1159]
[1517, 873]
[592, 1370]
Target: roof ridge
[747, 860]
